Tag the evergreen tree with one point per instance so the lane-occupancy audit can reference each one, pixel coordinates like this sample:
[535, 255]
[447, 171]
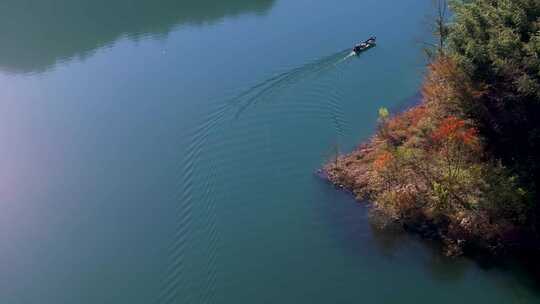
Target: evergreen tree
[497, 42]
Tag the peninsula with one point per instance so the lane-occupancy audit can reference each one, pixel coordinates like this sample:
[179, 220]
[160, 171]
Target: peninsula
[462, 166]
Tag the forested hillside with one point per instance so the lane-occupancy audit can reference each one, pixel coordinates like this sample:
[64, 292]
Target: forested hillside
[463, 165]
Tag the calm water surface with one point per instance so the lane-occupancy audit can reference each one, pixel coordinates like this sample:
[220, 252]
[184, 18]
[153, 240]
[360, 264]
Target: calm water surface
[164, 153]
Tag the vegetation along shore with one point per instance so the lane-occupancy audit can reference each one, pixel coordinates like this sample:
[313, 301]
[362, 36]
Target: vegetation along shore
[462, 166]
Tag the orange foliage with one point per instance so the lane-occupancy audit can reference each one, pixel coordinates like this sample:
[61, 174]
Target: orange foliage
[382, 161]
[407, 119]
[402, 127]
[470, 136]
[453, 128]
[416, 114]
[442, 75]
[448, 128]
[396, 123]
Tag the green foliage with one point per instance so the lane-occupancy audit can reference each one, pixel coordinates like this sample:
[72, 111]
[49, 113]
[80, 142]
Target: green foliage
[497, 38]
[440, 195]
[439, 161]
[502, 195]
[498, 43]
[383, 113]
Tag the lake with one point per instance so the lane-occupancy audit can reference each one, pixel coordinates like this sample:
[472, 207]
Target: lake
[165, 153]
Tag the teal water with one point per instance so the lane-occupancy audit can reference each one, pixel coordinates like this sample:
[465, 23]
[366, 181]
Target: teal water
[164, 153]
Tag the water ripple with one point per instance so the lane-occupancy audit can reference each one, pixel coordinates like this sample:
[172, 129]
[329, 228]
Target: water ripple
[198, 192]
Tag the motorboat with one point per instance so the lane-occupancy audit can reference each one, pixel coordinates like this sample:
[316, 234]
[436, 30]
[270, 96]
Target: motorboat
[363, 46]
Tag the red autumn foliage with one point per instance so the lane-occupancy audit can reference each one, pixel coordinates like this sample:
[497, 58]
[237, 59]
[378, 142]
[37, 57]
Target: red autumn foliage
[448, 128]
[427, 165]
[470, 136]
[453, 128]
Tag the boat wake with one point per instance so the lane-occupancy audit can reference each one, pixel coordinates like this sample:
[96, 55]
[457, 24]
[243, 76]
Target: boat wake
[351, 54]
[270, 86]
[201, 148]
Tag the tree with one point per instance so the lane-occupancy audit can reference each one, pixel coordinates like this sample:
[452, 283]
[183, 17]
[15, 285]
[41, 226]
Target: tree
[441, 19]
[497, 42]
[384, 114]
[438, 24]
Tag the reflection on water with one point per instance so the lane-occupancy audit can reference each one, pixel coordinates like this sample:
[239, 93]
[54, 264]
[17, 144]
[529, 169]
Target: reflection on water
[392, 249]
[37, 34]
